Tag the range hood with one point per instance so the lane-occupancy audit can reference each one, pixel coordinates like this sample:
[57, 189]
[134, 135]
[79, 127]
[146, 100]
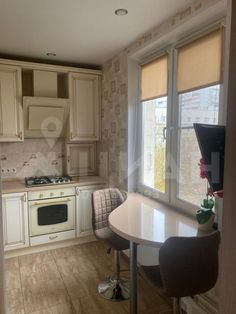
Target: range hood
[45, 115]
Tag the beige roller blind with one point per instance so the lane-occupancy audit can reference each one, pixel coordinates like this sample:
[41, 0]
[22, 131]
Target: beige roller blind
[199, 62]
[154, 78]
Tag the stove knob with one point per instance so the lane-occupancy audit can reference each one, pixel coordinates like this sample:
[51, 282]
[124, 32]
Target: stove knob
[62, 193]
[51, 194]
[40, 195]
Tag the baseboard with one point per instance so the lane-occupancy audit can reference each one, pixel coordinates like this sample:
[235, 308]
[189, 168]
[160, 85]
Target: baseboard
[51, 246]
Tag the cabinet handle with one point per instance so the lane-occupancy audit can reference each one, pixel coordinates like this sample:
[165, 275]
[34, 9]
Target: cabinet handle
[24, 197]
[68, 159]
[66, 200]
[77, 191]
[53, 237]
[71, 135]
[20, 135]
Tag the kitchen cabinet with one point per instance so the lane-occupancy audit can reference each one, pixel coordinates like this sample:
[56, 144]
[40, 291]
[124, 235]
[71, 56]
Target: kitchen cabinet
[84, 209]
[52, 237]
[85, 96]
[15, 221]
[81, 159]
[11, 115]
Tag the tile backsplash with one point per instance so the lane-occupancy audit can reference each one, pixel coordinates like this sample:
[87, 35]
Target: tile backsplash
[33, 157]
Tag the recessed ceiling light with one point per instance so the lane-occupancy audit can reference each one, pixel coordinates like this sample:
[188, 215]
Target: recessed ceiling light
[121, 12]
[51, 54]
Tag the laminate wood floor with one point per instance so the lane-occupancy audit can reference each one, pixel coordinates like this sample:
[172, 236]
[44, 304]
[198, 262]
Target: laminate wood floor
[64, 281]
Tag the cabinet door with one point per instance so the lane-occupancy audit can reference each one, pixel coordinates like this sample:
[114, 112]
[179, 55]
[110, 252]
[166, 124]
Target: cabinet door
[81, 159]
[11, 116]
[15, 221]
[84, 209]
[84, 92]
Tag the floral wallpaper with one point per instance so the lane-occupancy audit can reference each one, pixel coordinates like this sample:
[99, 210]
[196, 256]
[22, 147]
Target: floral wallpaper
[114, 120]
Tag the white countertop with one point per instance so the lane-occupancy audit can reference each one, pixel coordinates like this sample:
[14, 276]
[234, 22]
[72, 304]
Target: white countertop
[14, 186]
[148, 222]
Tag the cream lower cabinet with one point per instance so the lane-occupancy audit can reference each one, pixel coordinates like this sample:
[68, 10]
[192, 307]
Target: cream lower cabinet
[85, 96]
[84, 209]
[15, 221]
[11, 115]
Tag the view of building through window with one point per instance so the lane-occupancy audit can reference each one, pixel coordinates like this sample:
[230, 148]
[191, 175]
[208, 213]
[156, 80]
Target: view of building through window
[154, 143]
[199, 106]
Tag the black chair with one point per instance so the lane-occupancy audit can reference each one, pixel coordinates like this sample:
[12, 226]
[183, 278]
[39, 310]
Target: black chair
[188, 266]
[103, 203]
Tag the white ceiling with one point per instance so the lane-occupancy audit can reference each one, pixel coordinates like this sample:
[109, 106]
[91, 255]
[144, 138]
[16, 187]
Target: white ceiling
[78, 31]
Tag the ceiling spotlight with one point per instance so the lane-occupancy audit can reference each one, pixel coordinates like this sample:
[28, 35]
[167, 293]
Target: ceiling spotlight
[121, 12]
[51, 54]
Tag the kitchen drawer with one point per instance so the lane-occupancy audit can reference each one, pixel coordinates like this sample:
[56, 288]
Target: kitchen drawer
[53, 237]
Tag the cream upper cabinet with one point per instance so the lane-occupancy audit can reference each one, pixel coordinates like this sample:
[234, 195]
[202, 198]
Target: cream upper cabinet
[81, 159]
[84, 93]
[11, 116]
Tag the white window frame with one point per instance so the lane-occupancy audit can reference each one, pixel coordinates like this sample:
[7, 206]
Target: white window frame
[172, 147]
[147, 190]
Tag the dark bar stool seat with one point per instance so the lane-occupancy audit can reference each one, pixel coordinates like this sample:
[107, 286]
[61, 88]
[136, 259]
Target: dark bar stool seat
[188, 266]
[103, 203]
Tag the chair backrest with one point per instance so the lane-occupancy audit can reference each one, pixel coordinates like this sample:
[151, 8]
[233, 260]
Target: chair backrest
[189, 266]
[103, 203]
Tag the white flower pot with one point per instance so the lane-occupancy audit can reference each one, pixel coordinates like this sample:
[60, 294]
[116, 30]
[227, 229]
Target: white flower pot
[207, 226]
[219, 211]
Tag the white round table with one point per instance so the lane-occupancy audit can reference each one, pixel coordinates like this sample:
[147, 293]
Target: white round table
[144, 221]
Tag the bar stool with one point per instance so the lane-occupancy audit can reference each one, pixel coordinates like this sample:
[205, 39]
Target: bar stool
[188, 266]
[103, 203]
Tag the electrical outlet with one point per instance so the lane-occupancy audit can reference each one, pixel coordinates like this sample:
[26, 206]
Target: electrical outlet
[8, 170]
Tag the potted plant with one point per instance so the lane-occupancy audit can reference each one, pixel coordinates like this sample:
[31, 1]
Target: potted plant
[205, 214]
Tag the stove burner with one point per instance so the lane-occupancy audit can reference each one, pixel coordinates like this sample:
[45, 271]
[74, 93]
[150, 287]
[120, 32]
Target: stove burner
[36, 181]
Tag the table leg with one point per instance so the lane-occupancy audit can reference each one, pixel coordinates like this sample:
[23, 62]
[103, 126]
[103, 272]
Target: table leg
[133, 274]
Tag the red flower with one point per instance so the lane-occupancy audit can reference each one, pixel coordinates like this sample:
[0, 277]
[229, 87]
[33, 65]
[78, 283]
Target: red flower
[220, 194]
[202, 167]
[210, 192]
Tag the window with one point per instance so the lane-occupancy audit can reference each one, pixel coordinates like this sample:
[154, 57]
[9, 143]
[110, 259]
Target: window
[154, 113]
[170, 153]
[190, 187]
[154, 143]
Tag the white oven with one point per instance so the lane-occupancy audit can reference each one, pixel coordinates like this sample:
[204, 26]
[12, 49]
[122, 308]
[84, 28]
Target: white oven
[51, 211]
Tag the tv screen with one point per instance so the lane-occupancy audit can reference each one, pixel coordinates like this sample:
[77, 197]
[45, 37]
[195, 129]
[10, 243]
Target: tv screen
[211, 140]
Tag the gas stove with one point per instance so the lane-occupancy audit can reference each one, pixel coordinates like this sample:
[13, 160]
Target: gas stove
[47, 180]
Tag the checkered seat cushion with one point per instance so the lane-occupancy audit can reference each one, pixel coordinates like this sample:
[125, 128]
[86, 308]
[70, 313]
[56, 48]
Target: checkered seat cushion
[104, 202]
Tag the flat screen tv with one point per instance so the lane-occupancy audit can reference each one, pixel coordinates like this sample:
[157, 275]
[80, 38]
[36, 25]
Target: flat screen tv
[211, 140]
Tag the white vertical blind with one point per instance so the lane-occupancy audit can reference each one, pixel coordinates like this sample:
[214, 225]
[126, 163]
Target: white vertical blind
[154, 78]
[199, 62]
